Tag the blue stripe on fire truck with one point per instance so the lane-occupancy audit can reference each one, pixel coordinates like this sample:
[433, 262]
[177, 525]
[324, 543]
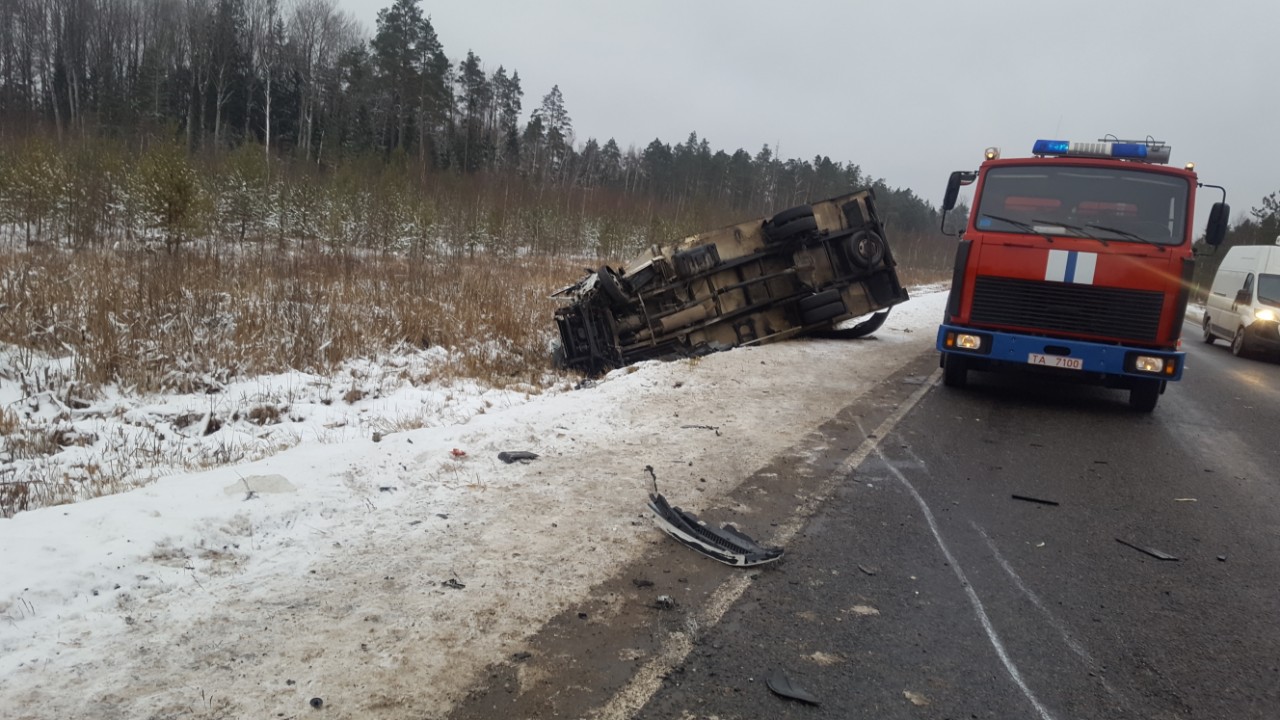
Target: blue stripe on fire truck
[1071, 266]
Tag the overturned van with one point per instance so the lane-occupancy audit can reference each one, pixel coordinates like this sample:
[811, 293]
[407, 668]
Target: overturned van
[801, 272]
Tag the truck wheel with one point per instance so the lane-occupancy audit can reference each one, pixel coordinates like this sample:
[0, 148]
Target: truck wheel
[867, 248]
[611, 287]
[789, 223]
[1208, 334]
[955, 370]
[826, 312]
[1240, 343]
[1144, 395]
[826, 297]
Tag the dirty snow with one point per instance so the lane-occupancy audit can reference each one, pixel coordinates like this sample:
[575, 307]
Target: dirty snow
[382, 576]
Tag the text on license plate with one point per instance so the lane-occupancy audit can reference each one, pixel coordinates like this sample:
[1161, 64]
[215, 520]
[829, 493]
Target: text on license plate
[1055, 361]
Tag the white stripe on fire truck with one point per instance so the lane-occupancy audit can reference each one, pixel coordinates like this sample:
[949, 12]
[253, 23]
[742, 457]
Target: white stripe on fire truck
[1071, 266]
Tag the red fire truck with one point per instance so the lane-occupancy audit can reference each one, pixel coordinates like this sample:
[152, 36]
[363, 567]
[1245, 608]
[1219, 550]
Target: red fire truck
[1075, 262]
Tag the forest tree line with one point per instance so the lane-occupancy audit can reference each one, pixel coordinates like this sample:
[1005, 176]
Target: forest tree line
[282, 119]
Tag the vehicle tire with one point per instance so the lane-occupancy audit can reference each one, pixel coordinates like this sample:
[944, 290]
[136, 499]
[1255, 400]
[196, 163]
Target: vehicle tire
[866, 248]
[1240, 343]
[826, 297]
[1209, 337]
[955, 370]
[612, 287]
[825, 312]
[790, 223]
[1144, 395]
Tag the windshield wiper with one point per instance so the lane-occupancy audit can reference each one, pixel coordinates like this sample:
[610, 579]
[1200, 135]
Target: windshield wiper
[1073, 228]
[1020, 225]
[1130, 235]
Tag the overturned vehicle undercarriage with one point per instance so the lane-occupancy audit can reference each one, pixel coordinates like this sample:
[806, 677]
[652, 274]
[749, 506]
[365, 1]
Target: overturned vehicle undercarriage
[800, 272]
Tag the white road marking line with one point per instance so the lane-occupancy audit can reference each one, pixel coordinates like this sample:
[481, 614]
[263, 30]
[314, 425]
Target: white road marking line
[1061, 627]
[969, 591]
[648, 678]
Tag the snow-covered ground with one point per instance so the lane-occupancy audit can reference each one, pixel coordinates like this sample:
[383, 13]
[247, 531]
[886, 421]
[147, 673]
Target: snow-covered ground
[388, 555]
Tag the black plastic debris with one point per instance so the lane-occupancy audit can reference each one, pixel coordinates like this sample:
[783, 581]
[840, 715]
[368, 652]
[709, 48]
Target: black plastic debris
[317, 703]
[516, 455]
[782, 685]
[1027, 498]
[453, 584]
[1157, 554]
[726, 544]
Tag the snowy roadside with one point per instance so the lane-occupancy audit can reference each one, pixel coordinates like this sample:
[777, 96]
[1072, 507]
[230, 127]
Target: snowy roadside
[383, 575]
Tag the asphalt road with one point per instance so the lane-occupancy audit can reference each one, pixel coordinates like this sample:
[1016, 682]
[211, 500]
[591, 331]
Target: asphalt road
[919, 587]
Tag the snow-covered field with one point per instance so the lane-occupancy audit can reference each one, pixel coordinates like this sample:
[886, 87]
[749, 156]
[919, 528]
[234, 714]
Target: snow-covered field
[387, 555]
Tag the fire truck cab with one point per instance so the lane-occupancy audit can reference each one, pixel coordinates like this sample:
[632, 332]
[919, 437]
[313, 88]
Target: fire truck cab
[1075, 262]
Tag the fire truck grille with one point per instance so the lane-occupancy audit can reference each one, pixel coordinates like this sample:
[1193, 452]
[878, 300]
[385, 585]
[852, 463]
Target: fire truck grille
[1066, 307]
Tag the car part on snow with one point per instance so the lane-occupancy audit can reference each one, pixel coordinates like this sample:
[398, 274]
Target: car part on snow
[509, 457]
[726, 544]
[801, 272]
[781, 685]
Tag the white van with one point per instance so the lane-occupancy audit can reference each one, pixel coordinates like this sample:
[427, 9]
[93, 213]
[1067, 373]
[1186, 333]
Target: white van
[1243, 305]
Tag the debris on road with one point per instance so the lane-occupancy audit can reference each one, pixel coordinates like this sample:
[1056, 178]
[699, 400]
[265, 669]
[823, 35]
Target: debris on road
[458, 453]
[781, 685]
[1027, 498]
[453, 584]
[915, 698]
[726, 544]
[799, 273]
[509, 457]
[868, 570]
[1157, 554]
[665, 602]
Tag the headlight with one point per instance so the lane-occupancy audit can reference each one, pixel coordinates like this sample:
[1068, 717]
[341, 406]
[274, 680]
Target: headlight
[1144, 363]
[969, 342]
[1265, 314]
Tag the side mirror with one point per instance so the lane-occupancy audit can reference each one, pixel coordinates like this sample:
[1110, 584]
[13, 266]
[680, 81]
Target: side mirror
[1216, 229]
[957, 179]
[1244, 296]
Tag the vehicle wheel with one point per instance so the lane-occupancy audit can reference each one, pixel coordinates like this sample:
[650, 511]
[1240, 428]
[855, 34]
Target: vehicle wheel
[826, 312]
[790, 223]
[955, 370]
[1240, 343]
[867, 248]
[1208, 334]
[826, 297]
[1144, 395]
[611, 287]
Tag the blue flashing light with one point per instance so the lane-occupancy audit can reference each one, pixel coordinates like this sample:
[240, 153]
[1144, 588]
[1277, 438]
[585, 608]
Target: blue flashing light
[1051, 147]
[1151, 151]
[1132, 151]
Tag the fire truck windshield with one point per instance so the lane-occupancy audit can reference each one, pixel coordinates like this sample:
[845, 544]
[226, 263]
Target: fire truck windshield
[1115, 204]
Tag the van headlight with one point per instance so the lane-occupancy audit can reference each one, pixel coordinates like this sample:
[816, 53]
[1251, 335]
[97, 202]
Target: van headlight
[1265, 314]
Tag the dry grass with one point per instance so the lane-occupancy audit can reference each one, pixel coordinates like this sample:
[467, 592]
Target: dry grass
[190, 322]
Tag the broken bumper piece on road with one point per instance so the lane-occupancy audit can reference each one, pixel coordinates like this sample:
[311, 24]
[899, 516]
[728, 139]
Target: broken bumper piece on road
[727, 544]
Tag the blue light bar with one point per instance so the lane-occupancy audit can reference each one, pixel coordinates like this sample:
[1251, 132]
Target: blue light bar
[1152, 152]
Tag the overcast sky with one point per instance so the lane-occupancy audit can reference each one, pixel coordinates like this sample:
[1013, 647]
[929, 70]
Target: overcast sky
[907, 90]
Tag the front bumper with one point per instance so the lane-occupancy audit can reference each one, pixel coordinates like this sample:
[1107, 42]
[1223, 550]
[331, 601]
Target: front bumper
[1000, 350]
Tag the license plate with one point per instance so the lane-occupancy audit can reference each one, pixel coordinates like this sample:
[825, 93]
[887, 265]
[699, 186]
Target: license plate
[1055, 361]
